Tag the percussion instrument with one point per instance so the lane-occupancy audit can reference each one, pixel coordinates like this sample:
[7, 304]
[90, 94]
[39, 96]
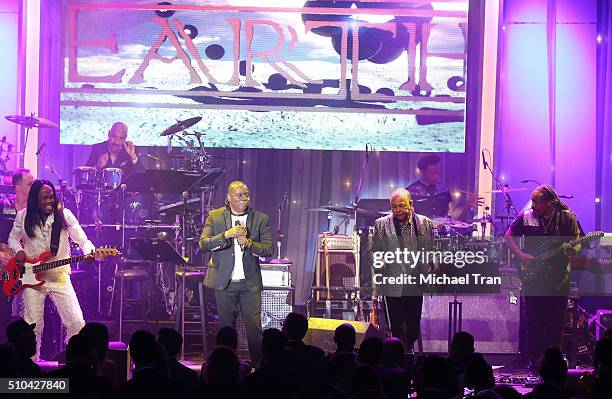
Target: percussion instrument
[85, 178]
[110, 179]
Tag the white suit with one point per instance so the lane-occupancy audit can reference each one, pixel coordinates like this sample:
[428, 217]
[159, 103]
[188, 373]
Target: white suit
[57, 285]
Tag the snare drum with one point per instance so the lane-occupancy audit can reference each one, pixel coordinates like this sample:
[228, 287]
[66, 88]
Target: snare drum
[84, 178]
[110, 178]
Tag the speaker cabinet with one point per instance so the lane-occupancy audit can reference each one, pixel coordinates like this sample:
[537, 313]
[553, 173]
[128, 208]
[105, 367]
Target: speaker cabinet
[321, 332]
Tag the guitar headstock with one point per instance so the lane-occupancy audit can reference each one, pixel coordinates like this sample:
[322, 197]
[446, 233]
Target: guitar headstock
[595, 235]
[104, 252]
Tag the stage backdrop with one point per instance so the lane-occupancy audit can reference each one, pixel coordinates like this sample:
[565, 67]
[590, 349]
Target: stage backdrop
[293, 73]
[311, 177]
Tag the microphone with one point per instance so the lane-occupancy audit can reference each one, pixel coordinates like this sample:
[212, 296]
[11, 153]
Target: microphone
[238, 224]
[41, 148]
[484, 161]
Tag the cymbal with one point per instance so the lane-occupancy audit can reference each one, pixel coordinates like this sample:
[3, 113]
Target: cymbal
[506, 190]
[486, 219]
[452, 223]
[180, 126]
[31, 121]
[349, 210]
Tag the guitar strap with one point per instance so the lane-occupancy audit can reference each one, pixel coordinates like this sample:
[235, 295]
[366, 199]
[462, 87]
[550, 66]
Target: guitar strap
[56, 229]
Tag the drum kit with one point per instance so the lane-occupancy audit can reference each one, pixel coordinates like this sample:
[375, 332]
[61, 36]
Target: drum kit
[107, 202]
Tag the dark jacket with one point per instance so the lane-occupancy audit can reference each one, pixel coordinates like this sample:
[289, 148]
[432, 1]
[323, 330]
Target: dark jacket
[123, 161]
[221, 262]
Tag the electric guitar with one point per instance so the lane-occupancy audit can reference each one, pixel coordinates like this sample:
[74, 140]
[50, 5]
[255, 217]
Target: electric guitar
[536, 267]
[15, 277]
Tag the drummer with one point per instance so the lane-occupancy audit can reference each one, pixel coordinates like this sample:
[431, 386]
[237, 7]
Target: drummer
[432, 198]
[22, 181]
[116, 152]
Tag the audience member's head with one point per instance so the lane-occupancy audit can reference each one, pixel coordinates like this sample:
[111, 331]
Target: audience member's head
[393, 351]
[370, 351]
[80, 352]
[227, 336]
[345, 337]
[462, 346]
[295, 326]
[144, 349]
[222, 366]
[170, 340]
[97, 333]
[553, 368]
[21, 335]
[273, 345]
[478, 373]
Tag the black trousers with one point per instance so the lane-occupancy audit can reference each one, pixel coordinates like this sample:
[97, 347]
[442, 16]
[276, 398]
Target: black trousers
[545, 321]
[404, 317]
[249, 299]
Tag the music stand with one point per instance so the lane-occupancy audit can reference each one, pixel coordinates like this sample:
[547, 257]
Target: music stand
[169, 181]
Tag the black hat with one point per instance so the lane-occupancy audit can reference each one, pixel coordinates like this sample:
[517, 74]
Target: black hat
[14, 330]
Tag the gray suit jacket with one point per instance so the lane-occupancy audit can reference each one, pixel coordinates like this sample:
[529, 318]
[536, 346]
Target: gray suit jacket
[385, 239]
[221, 262]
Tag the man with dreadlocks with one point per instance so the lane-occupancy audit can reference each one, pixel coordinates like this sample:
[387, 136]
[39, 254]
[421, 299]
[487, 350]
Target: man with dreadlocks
[44, 225]
[547, 225]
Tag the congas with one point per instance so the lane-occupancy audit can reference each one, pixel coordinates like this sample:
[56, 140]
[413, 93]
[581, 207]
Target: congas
[84, 178]
[110, 178]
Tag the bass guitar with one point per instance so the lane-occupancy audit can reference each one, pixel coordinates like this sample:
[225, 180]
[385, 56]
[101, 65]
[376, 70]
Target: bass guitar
[16, 277]
[528, 272]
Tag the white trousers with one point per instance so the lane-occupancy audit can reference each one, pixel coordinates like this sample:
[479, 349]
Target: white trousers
[65, 301]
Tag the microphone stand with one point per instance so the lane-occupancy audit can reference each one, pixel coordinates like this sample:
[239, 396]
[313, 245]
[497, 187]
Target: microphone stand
[509, 205]
[356, 241]
[279, 234]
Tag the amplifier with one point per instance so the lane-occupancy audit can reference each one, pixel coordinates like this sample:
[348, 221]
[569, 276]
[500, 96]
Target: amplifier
[276, 304]
[337, 242]
[276, 274]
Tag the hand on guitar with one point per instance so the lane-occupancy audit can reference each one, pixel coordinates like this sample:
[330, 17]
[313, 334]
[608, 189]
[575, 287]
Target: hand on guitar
[20, 257]
[525, 259]
[568, 249]
[89, 258]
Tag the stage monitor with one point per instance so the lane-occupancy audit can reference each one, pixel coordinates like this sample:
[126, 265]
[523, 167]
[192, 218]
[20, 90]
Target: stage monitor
[290, 74]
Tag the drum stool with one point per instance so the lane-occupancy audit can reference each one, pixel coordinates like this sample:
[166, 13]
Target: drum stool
[195, 316]
[137, 276]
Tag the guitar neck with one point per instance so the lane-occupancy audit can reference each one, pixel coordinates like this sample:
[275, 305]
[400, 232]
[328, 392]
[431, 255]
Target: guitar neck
[56, 263]
[558, 250]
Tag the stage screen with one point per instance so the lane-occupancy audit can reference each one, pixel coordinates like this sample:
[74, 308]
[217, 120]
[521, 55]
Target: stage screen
[283, 74]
